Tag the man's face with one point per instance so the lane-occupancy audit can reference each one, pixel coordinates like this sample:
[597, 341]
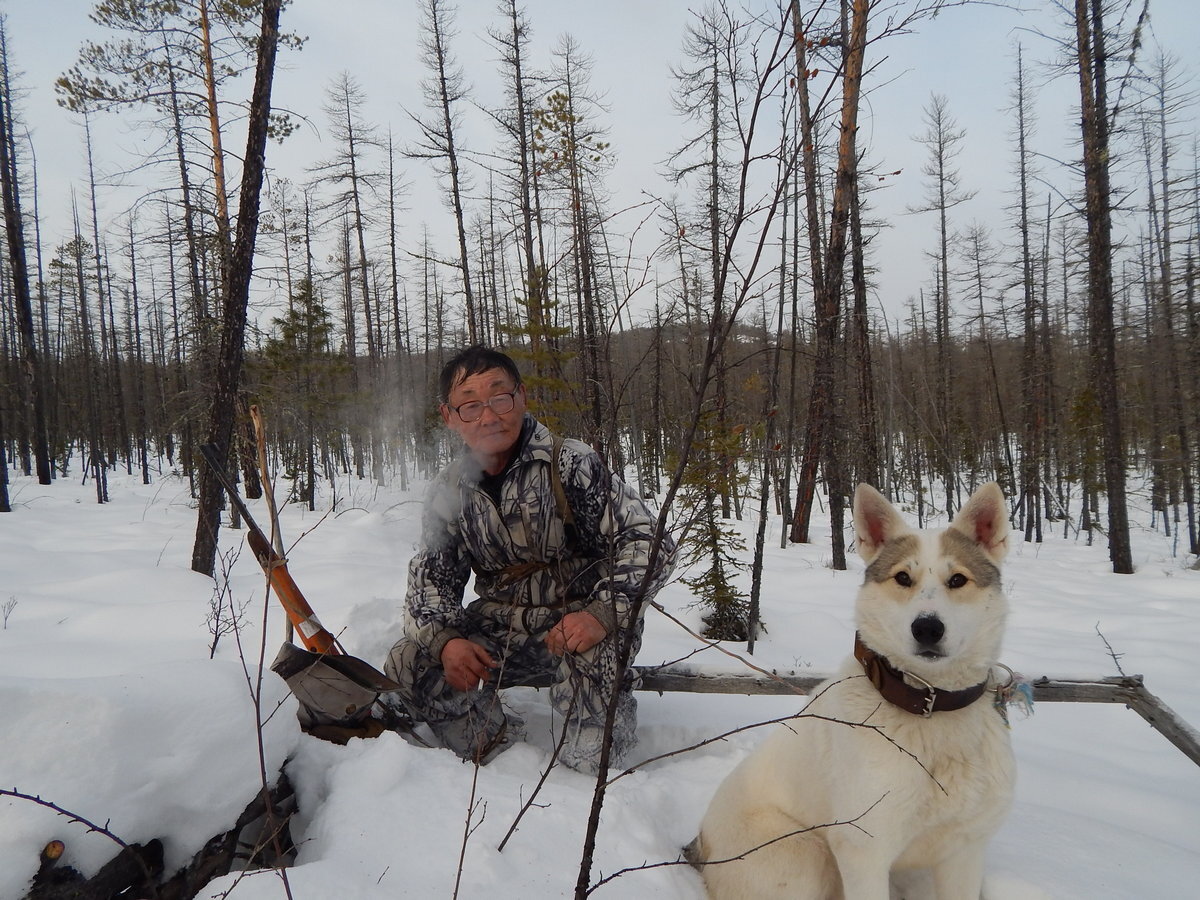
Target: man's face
[492, 436]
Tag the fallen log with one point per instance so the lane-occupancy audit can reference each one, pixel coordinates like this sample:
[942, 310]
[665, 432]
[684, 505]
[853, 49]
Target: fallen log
[1129, 690]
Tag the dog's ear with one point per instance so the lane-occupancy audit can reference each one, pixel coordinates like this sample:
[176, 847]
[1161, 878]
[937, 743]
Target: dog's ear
[876, 521]
[985, 521]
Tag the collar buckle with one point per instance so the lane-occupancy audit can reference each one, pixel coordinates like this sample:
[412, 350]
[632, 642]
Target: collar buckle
[930, 695]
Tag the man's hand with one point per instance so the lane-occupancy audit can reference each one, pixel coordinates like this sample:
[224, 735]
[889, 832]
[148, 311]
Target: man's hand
[466, 664]
[577, 632]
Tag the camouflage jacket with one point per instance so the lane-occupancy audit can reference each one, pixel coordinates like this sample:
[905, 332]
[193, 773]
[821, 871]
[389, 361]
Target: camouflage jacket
[528, 568]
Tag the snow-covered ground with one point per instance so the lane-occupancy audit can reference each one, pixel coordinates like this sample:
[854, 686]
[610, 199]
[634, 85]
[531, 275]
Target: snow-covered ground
[112, 709]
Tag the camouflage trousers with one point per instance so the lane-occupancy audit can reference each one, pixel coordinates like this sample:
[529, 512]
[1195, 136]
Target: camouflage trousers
[473, 723]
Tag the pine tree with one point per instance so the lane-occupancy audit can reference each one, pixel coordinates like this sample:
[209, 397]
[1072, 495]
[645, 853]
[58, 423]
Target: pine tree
[302, 380]
[551, 398]
[711, 545]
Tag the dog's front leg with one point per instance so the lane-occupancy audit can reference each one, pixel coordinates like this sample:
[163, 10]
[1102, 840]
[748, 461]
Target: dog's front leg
[960, 877]
[863, 877]
[860, 885]
[865, 860]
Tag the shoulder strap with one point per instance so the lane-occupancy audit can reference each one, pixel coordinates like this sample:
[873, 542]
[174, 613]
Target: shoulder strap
[560, 495]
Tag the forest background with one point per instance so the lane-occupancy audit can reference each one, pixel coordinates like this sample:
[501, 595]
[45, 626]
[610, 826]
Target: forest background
[721, 324]
[780, 281]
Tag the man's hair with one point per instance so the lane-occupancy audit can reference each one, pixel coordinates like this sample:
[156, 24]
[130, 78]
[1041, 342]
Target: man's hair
[472, 361]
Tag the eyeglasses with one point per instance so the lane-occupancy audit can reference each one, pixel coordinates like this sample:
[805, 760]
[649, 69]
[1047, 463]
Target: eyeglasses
[498, 403]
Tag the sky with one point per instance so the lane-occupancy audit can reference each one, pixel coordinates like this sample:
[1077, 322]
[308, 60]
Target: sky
[114, 711]
[966, 54]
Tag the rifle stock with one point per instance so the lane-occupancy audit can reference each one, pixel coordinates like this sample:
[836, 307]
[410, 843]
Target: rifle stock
[313, 634]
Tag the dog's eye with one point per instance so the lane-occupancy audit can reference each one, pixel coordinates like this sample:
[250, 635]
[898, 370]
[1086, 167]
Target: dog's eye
[903, 579]
[957, 580]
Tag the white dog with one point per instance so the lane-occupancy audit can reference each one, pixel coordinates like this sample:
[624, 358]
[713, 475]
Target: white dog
[899, 770]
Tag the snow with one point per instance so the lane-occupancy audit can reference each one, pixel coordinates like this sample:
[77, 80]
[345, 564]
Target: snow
[113, 710]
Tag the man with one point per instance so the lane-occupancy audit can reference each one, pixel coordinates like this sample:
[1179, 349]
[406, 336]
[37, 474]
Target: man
[554, 597]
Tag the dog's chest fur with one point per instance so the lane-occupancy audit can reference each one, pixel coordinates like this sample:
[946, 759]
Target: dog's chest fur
[942, 770]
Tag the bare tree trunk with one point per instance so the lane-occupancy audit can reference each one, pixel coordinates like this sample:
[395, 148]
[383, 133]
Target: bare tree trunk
[373, 351]
[513, 44]
[237, 292]
[5, 505]
[793, 343]
[115, 388]
[815, 423]
[1192, 363]
[942, 137]
[868, 455]
[31, 363]
[198, 305]
[585, 274]
[828, 278]
[444, 93]
[47, 359]
[218, 154]
[1047, 379]
[358, 428]
[137, 361]
[715, 239]
[1033, 445]
[95, 453]
[1160, 230]
[1089, 32]
[108, 375]
[399, 327]
[1154, 341]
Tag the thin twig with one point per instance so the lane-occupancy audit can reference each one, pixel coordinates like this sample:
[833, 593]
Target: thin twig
[91, 827]
[716, 862]
[739, 730]
[71, 816]
[1116, 657]
[468, 828]
[254, 685]
[542, 780]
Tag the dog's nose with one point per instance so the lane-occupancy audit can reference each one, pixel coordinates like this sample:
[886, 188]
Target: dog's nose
[928, 629]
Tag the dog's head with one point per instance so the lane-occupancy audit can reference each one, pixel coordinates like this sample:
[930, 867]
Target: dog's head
[931, 601]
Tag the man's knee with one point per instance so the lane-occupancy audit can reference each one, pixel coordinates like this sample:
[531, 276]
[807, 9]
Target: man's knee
[401, 663]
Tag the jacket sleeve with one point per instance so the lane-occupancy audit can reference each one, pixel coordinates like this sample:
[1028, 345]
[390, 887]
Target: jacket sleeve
[617, 528]
[438, 572]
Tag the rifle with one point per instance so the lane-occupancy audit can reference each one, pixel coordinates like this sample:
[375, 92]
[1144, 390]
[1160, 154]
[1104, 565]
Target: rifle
[268, 490]
[312, 633]
[336, 691]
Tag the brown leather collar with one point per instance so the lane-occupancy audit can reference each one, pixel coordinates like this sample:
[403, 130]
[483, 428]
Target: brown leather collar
[920, 701]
